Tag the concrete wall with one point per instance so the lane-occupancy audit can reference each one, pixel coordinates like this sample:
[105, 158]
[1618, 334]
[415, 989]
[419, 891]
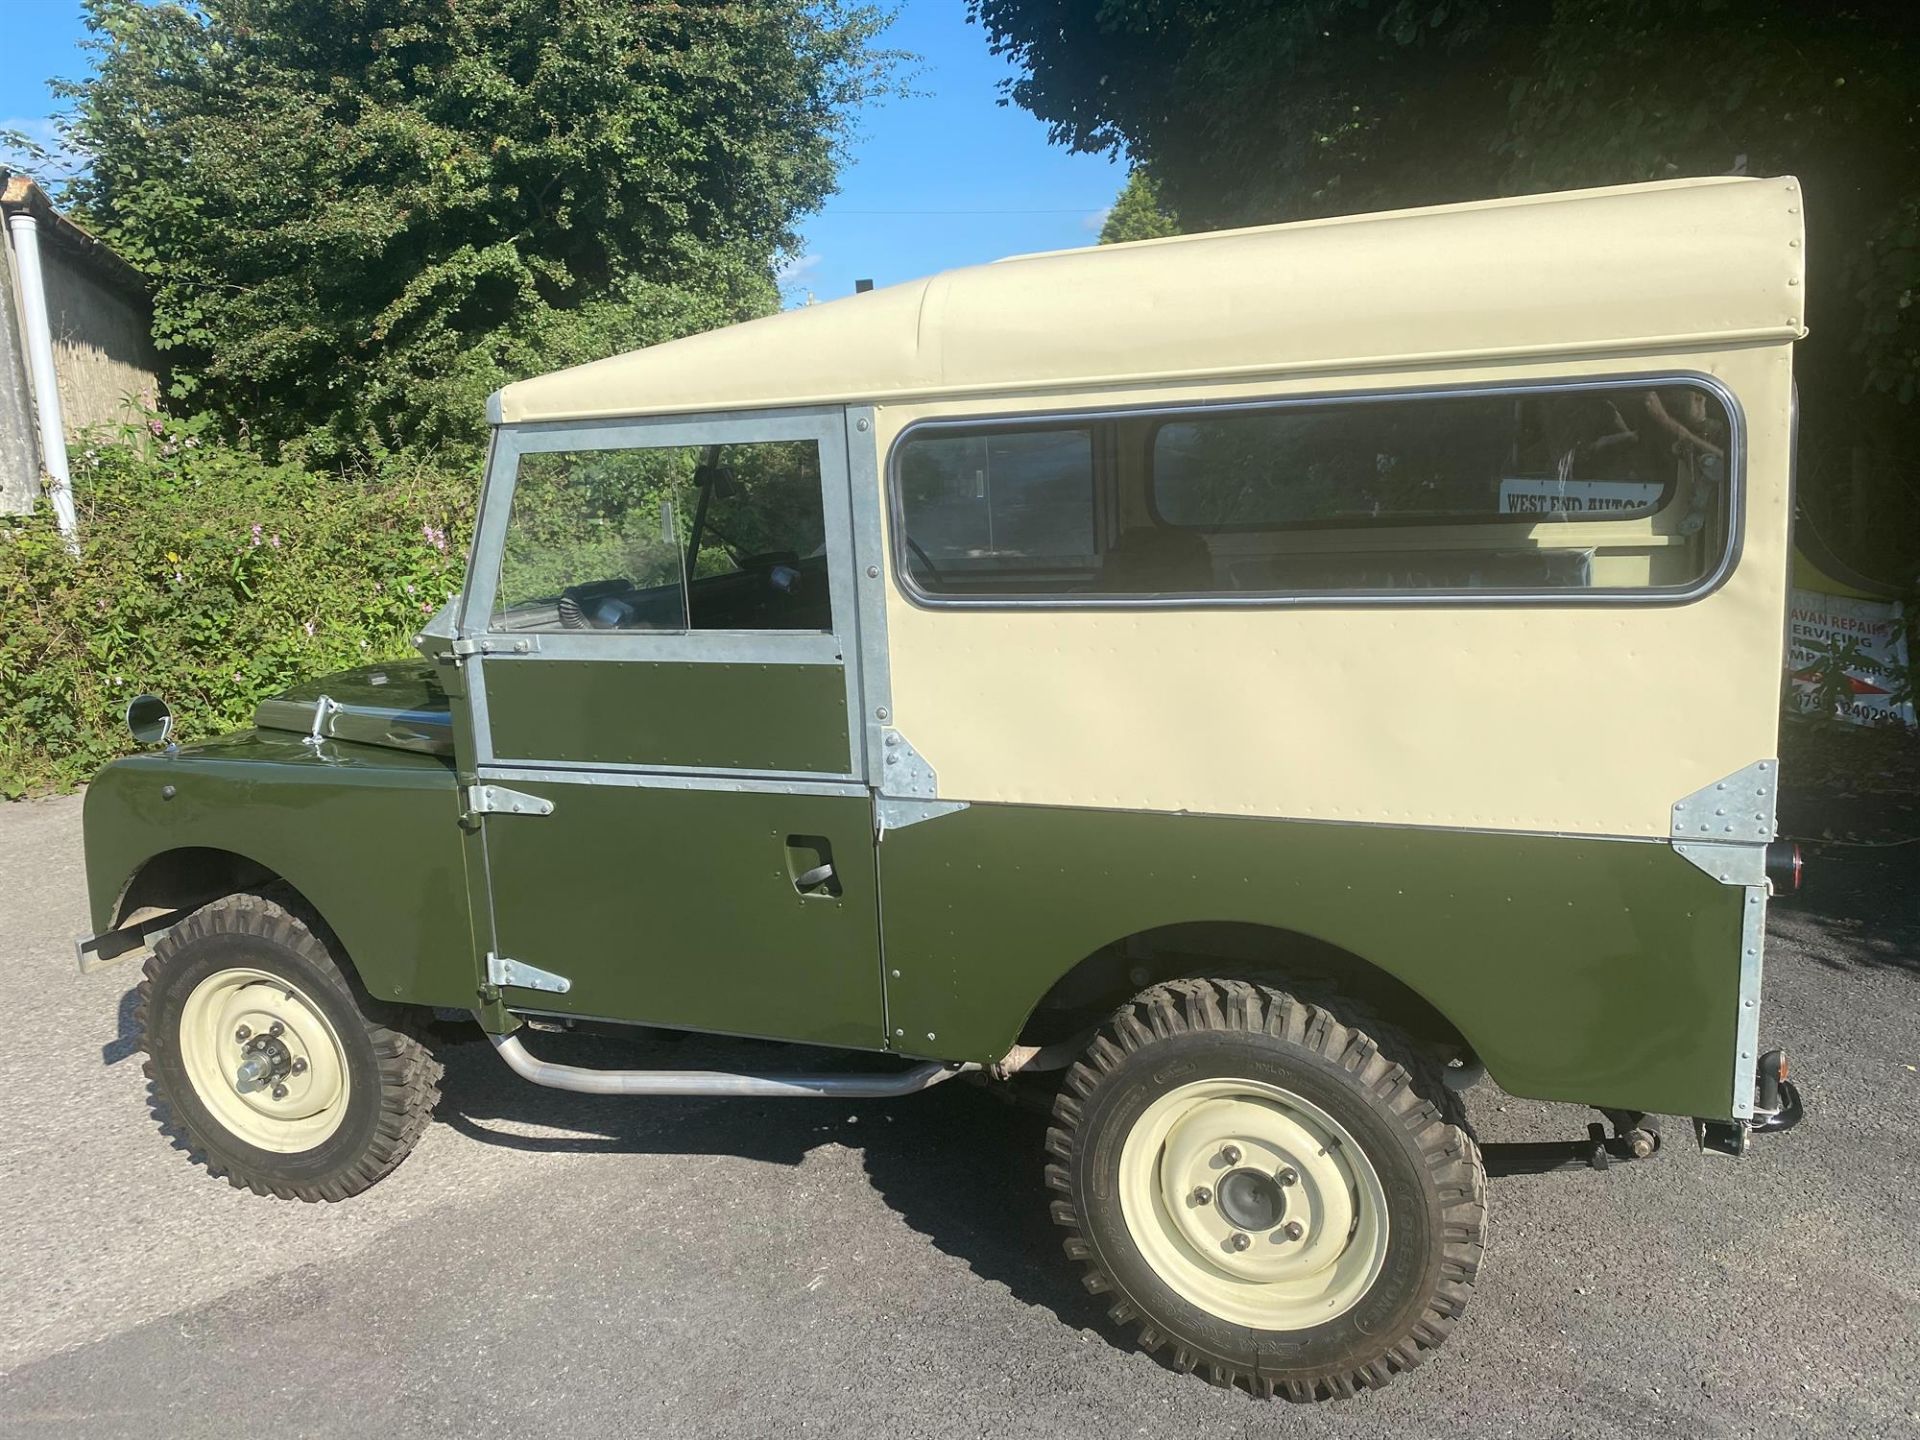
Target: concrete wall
[19, 435]
[103, 356]
[102, 345]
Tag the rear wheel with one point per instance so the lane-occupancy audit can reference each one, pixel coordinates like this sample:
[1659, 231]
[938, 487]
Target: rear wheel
[270, 1065]
[1266, 1193]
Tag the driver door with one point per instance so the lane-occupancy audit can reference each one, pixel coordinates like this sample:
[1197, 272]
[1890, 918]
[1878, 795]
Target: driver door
[674, 827]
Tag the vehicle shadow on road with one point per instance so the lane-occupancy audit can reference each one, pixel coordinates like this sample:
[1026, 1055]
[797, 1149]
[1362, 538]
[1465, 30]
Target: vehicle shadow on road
[956, 1163]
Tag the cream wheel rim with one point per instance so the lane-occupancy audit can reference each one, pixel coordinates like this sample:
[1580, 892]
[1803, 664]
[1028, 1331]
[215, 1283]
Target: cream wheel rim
[1253, 1204]
[264, 1060]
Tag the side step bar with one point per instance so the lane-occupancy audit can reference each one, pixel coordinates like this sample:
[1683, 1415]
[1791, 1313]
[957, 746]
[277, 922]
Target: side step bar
[717, 1082]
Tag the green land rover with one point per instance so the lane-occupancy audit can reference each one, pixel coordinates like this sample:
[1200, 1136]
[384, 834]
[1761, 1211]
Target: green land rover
[1260, 683]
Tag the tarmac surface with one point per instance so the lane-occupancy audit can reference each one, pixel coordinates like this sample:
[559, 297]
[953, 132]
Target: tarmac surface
[555, 1264]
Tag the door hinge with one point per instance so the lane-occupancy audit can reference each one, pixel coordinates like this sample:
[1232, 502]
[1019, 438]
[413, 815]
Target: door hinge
[466, 645]
[499, 800]
[502, 971]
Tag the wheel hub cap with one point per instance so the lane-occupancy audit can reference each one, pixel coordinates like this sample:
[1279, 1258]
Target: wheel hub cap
[1250, 1200]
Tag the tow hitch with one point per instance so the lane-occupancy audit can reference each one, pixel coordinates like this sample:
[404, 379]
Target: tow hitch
[1776, 1107]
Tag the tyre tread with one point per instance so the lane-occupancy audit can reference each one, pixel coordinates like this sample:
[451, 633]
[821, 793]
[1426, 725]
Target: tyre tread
[408, 1072]
[1405, 1078]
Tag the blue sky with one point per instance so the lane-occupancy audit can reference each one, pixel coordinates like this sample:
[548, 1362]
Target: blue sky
[945, 178]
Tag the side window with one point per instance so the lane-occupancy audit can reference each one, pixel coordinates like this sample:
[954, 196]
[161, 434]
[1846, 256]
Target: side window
[1617, 488]
[998, 509]
[668, 538]
[592, 542]
[1454, 492]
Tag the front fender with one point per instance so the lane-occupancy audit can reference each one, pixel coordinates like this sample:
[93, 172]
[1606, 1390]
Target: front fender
[369, 837]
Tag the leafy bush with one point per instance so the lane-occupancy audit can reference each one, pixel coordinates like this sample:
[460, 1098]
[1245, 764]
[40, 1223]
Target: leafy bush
[212, 578]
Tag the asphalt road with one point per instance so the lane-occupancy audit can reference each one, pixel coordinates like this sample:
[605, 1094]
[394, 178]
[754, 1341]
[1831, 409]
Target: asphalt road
[550, 1264]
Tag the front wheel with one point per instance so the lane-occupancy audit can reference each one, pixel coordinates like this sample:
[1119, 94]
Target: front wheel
[269, 1064]
[1265, 1192]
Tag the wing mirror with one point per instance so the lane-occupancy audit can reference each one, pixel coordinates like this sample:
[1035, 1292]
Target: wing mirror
[149, 719]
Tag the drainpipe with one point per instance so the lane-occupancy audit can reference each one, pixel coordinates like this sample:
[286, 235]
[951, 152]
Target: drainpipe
[46, 386]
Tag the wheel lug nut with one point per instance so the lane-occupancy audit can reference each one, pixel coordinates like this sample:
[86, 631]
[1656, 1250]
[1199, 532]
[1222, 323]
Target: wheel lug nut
[1288, 1175]
[276, 1028]
[243, 1034]
[1230, 1154]
[279, 1092]
[1240, 1241]
[1202, 1195]
[1295, 1230]
[299, 1066]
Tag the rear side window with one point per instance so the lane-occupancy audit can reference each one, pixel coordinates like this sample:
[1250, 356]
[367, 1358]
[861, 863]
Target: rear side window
[1467, 459]
[1615, 488]
[1004, 511]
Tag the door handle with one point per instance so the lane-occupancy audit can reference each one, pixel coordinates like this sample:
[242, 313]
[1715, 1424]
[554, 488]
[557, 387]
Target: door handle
[810, 867]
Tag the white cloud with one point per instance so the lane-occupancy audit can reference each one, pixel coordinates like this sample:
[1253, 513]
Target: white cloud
[1095, 220]
[796, 268]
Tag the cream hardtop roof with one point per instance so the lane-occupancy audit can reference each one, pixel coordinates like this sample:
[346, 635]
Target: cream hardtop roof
[1678, 264]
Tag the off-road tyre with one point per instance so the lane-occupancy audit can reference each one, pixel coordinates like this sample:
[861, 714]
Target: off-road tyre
[392, 1080]
[1384, 1091]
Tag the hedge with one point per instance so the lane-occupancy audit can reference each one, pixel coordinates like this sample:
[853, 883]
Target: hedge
[212, 578]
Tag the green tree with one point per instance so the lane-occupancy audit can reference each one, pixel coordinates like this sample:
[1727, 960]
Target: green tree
[1137, 213]
[360, 216]
[1248, 111]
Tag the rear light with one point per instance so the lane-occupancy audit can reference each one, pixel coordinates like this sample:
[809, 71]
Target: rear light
[1784, 863]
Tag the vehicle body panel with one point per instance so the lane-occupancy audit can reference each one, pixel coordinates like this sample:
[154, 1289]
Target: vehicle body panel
[679, 906]
[667, 713]
[1631, 269]
[1547, 715]
[403, 686]
[369, 836]
[1592, 971]
[402, 705]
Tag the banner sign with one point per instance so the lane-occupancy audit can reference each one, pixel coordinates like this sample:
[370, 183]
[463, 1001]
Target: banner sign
[1578, 497]
[1821, 624]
